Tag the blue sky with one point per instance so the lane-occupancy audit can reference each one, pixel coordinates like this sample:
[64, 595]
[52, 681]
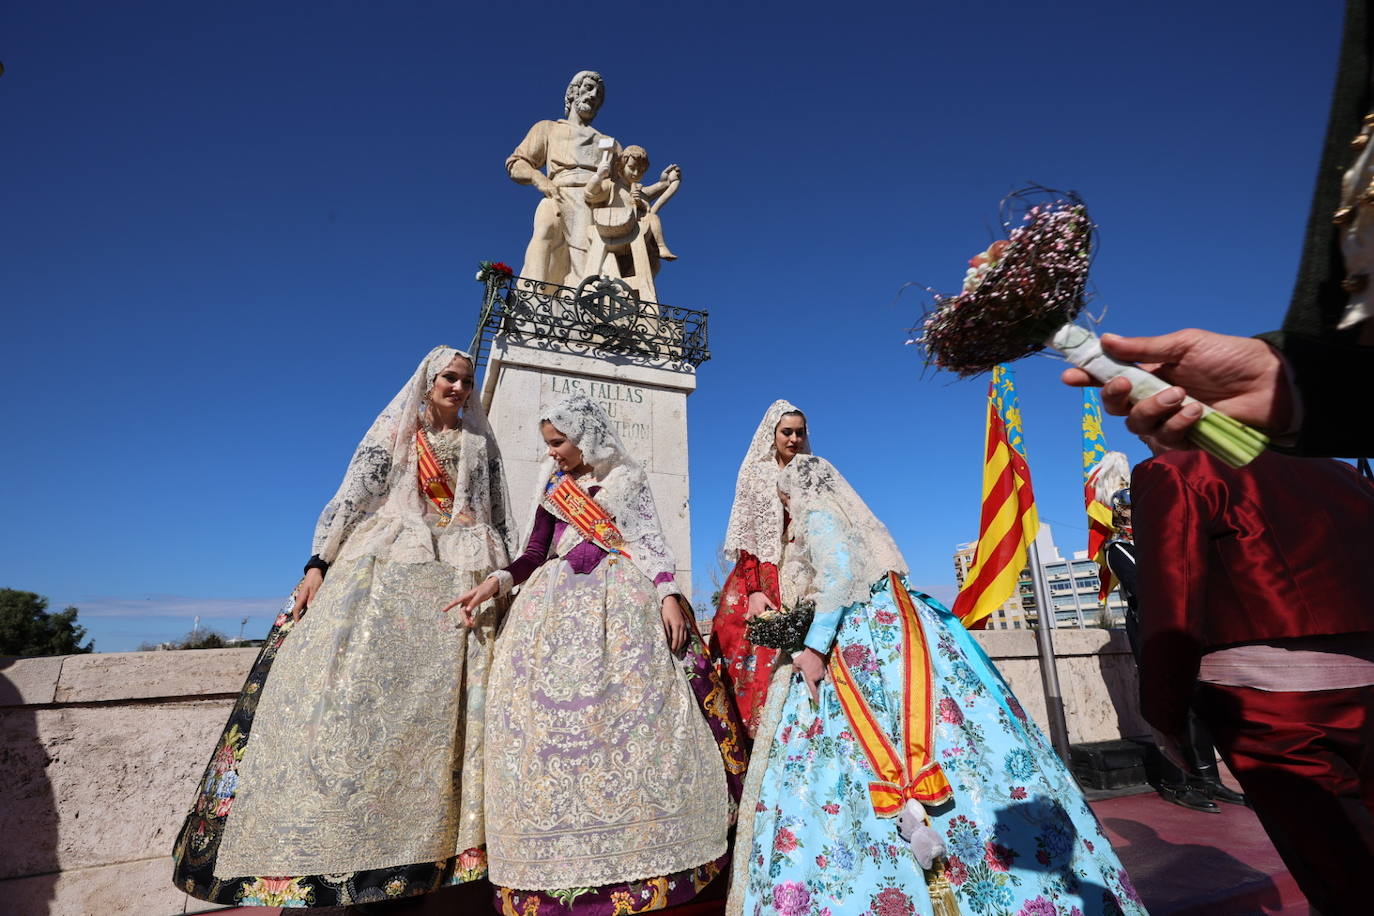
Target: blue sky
[228, 232]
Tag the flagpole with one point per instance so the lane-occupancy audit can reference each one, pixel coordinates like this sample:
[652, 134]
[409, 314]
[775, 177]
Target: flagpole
[1049, 670]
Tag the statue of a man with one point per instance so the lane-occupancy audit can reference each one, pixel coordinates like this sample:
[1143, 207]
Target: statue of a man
[571, 149]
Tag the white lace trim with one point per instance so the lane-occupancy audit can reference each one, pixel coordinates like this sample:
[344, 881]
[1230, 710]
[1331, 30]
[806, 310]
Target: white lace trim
[504, 581]
[769, 720]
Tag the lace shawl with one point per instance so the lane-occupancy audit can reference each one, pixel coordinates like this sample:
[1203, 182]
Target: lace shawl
[756, 514]
[839, 548]
[379, 510]
[625, 492]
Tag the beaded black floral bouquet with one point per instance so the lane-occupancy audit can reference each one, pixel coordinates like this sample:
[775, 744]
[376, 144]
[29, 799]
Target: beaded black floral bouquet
[783, 628]
[1023, 293]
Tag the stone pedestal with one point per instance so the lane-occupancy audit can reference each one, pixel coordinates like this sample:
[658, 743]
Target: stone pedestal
[646, 398]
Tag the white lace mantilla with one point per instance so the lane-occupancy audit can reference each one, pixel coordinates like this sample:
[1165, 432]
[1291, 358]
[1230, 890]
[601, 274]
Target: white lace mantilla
[839, 547]
[756, 515]
[624, 494]
[379, 510]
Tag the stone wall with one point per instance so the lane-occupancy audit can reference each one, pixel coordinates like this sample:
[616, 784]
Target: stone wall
[1096, 678]
[100, 755]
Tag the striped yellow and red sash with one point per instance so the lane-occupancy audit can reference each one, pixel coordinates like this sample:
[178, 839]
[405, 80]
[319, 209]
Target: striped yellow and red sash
[433, 481]
[908, 772]
[585, 514]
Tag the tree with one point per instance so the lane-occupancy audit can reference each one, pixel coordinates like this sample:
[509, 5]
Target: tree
[196, 639]
[28, 628]
[204, 639]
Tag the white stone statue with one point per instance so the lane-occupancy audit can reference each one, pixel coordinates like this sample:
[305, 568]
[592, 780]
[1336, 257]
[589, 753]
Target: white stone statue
[570, 148]
[626, 238]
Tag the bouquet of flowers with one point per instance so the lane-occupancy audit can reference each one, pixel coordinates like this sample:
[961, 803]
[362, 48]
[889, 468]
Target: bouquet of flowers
[1023, 294]
[783, 628]
[494, 271]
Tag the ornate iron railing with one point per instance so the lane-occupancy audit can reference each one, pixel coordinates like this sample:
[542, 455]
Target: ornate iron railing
[601, 314]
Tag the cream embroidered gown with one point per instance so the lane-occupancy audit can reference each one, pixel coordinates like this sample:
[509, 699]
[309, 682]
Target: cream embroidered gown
[351, 767]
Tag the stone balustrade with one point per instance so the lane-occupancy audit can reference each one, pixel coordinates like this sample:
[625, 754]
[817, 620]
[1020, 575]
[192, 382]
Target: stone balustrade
[100, 755]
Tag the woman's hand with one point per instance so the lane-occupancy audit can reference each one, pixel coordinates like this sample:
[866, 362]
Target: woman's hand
[674, 623]
[758, 603]
[812, 666]
[305, 592]
[471, 599]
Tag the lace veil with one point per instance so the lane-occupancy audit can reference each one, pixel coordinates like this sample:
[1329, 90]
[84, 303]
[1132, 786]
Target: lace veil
[756, 515]
[624, 493]
[839, 548]
[380, 511]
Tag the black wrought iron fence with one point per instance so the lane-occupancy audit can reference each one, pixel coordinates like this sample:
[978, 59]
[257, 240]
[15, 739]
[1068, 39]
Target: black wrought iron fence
[600, 314]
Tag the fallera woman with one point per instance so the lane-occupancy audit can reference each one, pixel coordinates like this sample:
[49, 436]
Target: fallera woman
[351, 767]
[753, 542]
[613, 755]
[893, 771]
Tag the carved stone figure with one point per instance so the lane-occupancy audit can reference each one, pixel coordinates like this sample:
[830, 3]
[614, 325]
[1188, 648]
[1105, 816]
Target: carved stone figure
[570, 149]
[626, 237]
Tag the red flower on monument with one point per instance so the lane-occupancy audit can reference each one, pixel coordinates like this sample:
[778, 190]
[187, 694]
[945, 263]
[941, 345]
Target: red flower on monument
[487, 270]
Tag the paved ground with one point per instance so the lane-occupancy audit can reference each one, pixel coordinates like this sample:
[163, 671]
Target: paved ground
[1184, 863]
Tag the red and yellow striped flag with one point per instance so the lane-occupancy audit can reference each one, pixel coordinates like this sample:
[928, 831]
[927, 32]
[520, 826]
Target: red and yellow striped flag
[1009, 521]
[1099, 515]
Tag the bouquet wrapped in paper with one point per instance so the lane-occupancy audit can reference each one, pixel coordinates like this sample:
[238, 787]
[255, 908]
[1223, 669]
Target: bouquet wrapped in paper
[1023, 293]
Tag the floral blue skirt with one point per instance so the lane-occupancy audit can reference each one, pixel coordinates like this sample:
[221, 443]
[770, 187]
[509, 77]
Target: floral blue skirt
[1020, 837]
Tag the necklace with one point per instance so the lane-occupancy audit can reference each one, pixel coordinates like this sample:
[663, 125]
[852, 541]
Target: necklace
[446, 445]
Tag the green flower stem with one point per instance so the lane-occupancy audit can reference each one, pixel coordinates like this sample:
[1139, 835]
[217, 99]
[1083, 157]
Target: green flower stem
[1224, 437]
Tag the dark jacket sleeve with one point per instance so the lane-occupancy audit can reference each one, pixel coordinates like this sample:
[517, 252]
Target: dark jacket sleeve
[1327, 365]
[1318, 299]
[1171, 521]
[1329, 376]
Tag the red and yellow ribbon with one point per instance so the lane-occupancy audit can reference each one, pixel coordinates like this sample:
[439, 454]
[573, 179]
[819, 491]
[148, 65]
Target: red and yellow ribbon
[584, 513]
[910, 772]
[433, 481]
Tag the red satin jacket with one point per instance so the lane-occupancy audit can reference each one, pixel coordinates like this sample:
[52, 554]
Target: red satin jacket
[1281, 548]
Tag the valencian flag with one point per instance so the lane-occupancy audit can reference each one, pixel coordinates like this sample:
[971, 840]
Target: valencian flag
[1009, 521]
[1099, 516]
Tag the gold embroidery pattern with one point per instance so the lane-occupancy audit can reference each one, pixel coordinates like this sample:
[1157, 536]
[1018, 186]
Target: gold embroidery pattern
[366, 750]
[600, 768]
